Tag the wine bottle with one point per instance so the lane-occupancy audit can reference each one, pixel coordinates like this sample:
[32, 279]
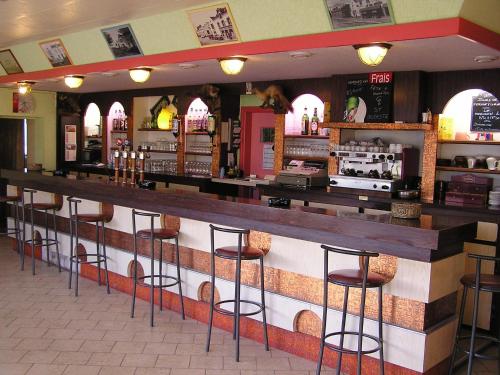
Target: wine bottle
[305, 123]
[314, 122]
[175, 126]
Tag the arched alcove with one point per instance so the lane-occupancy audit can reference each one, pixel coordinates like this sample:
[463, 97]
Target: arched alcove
[196, 115]
[115, 137]
[309, 101]
[92, 120]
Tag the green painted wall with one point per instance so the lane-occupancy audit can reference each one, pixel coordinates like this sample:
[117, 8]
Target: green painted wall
[42, 128]
[255, 20]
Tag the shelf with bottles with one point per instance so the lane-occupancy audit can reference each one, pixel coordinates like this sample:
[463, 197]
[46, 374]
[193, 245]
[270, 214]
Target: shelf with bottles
[467, 170]
[197, 133]
[300, 136]
[118, 131]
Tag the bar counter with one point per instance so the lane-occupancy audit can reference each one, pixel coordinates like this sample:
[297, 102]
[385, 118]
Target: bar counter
[422, 258]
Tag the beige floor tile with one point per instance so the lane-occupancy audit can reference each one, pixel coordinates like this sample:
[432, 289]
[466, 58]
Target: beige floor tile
[160, 348]
[34, 344]
[118, 336]
[14, 368]
[82, 324]
[97, 346]
[302, 364]
[273, 364]
[82, 370]
[177, 371]
[179, 338]
[139, 360]
[106, 359]
[59, 333]
[109, 325]
[44, 369]
[245, 363]
[190, 349]
[112, 370]
[66, 345]
[29, 332]
[11, 356]
[53, 323]
[222, 372]
[152, 371]
[89, 334]
[72, 358]
[10, 343]
[39, 356]
[173, 361]
[205, 362]
[128, 347]
[149, 337]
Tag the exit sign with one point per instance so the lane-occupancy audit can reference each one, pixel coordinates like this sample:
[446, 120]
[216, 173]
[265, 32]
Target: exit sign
[381, 77]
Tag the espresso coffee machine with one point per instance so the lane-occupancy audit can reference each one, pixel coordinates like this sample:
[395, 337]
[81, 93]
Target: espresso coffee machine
[384, 170]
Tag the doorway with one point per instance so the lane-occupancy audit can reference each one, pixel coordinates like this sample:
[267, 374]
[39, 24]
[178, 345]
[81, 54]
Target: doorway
[257, 141]
[12, 150]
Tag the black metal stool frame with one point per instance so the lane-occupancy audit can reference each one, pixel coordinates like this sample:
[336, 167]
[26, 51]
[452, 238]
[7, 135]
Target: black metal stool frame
[44, 242]
[237, 301]
[473, 336]
[75, 258]
[365, 255]
[8, 231]
[152, 276]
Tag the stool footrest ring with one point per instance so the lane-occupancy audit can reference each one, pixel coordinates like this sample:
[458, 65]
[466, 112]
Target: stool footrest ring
[350, 351]
[9, 231]
[43, 242]
[162, 276]
[232, 313]
[100, 258]
[478, 355]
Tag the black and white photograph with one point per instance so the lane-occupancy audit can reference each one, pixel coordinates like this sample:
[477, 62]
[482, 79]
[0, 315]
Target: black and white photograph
[122, 41]
[359, 13]
[214, 25]
[55, 52]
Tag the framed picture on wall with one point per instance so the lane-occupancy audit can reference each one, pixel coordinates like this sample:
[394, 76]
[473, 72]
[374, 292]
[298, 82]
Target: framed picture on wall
[9, 62]
[214, 25]
[122, 41]
[55, 52]
[359, 13]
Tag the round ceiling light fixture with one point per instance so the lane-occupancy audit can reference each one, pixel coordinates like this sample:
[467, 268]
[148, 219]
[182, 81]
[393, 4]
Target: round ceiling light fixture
[372, 54]
[232, 65]
[485, 58]
[73, 81]
[140, 74]
[24, 87]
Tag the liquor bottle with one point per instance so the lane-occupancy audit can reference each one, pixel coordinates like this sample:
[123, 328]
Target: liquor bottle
[115, 120]
[211, 126]
[175, 125]
[125, 123]
[205, 120]
[314, 122]
[190, 118]
[305, 123]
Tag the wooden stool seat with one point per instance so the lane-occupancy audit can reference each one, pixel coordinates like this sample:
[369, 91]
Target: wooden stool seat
[354, 278]
[159, 233]
[247, 252]
[89, 218]
[490, 283]
[42, 206]
[9, 198]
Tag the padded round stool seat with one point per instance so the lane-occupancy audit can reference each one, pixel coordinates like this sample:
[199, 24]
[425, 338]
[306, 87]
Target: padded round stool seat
[489, 283]
[354, 278]
[42, 206]
[89, 218]
[158, 233]
[247, 252]
[9, 198]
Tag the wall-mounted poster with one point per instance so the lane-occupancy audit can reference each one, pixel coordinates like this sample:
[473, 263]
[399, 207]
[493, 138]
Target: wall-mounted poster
[214, 25]
[70, 142]
[485, 113]
[55, 52]
[359, 13]
[369, 99]
[9, 62]
[122, 41]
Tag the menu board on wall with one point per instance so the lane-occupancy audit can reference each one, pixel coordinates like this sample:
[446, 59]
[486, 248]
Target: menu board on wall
[369, 99]
[485, 113]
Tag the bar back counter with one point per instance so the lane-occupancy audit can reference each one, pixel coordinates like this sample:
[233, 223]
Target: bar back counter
[422, 258]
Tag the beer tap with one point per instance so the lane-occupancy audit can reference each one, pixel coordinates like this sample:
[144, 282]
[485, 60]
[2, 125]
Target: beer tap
[132, 168]
[141, 166]
[125, 166]
[117, 166]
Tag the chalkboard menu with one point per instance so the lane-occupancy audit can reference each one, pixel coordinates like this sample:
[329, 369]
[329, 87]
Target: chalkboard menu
[485, 113]
[369, 99]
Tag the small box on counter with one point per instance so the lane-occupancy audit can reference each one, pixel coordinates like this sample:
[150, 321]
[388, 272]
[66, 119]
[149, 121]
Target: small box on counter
[468, 191]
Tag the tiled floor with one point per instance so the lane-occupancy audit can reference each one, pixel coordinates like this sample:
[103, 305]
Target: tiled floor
[44, 329]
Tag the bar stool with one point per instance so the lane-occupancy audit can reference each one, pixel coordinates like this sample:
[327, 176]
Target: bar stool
[43, 242]
[153, 234]
[351, 278]
[16, 230]
[236, 253]
[479, 282]
[73, 230]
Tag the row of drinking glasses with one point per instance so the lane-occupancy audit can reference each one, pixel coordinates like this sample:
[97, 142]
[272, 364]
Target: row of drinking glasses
[161, 165]
[307, 150]
[201, 147]
[198, 167]
[160, 146]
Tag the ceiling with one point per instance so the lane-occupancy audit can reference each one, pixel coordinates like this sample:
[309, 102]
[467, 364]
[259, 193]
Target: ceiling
[27, 20]
[435, 54]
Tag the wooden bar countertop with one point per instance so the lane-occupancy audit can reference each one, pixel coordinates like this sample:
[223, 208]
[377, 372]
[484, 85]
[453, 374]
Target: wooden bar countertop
[429, 238]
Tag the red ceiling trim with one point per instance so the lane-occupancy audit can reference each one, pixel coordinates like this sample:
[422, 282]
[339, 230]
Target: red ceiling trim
[387, 33]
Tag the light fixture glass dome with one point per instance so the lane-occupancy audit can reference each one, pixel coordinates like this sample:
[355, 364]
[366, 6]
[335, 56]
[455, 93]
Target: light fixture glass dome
[24, 87]
[140, 74]
[372, 54]
[73, 81]
[232, 65]
[165, 119]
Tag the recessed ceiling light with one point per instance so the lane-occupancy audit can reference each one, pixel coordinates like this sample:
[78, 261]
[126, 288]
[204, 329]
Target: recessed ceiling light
[109, 74]
[485, 58]
[300, 54]
[187, 65]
